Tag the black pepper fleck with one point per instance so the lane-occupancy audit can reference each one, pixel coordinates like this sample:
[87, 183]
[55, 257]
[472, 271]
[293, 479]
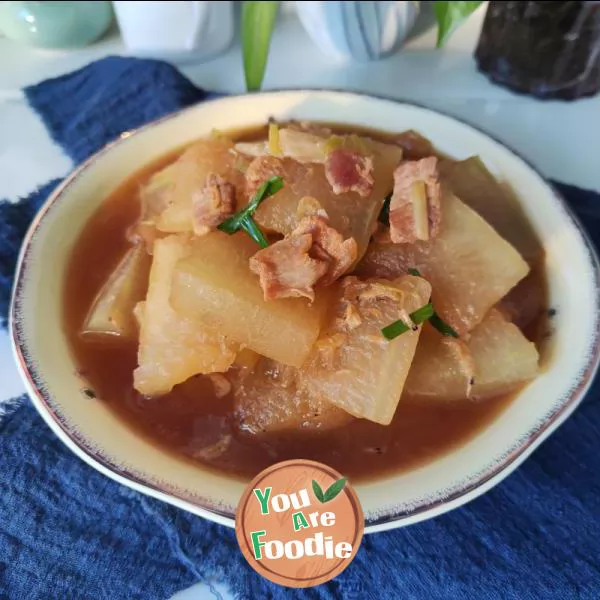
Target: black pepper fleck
[89, 393]
[551, 312]
[472, 381]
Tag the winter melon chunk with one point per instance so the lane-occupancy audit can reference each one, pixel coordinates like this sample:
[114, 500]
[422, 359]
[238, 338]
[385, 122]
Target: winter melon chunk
[112, 310]
[172, 347]
[473, 183]
[349, 213]
[470, 267]
[497, 359]
[442, 369]
[353, 365]
[269, 400]
[504, 357]
[214, 286]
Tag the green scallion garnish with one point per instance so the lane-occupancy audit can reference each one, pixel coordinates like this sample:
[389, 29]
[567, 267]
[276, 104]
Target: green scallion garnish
[399, 327]
[244, 218]
[442, 326]
[253, 230]
[435, 319]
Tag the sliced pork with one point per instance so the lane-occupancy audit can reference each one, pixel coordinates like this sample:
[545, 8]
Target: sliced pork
[348, 171]
[415, 209]
[212, 204]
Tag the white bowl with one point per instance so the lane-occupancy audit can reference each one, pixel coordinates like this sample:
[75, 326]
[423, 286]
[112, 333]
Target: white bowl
[105, 442]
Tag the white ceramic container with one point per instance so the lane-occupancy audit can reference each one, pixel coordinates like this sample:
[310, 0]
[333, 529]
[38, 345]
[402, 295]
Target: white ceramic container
[176, 30]
[358, 31]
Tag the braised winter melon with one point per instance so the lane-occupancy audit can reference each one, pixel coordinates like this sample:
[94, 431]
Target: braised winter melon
[353, 365]
[167, 198]
[472, 182]
[470, 267]
[112, 310]
[499, 359]
[349, 213]
[504, 357]
[214, 286]
[173, 348]
[269, 400]
[442, 368]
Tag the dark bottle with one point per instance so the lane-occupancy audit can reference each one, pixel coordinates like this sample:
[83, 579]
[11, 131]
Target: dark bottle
[546, 49]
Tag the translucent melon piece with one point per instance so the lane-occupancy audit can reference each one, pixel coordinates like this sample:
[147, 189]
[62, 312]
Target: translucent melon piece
[440, 369]
[503, 359]
[470, 267]
[167, 197]
[353, 366]
[352, 215]
[112, 310]
[471, 181]
[214, 286]
[173, 348]
[268, 400]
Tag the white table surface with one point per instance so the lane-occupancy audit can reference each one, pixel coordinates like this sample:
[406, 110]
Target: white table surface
[561, 139]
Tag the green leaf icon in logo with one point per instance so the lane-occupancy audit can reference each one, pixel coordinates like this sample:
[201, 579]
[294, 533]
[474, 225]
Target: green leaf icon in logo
[318, 491]
[331, 492]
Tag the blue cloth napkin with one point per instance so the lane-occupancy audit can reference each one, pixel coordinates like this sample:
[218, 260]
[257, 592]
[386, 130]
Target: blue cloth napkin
[67, 532]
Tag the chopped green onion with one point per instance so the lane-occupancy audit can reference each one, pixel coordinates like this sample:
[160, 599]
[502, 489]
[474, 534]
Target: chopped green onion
[435, 319]
[442, 326]
[384, 215]
[243, 219]
[251, 228]
[399, 327]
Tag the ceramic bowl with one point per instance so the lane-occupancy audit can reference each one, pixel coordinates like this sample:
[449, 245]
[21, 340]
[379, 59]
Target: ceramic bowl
[93, 432]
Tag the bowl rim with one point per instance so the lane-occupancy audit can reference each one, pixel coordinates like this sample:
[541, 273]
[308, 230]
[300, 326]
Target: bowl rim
[465, 491]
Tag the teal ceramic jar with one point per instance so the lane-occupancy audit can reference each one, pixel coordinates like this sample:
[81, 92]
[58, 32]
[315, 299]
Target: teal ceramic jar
[55, 24]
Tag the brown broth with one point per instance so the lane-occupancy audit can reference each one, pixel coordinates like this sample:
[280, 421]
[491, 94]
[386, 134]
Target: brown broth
[191, 418]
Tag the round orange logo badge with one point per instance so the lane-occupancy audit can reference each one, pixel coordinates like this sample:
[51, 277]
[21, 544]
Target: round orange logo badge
[299, 523]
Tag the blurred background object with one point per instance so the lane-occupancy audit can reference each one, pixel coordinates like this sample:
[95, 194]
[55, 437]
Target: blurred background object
[350, 31]
[359, 31]
[546, 49]
[55, 24]
[176, 30]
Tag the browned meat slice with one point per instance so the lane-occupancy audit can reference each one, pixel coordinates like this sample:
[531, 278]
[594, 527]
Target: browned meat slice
[261, 169]
[221, 385]
[415, 210]
[285, 268]
[328, 245]
[415, 146]
[313, 253]
[211, 205]
[348, 171]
